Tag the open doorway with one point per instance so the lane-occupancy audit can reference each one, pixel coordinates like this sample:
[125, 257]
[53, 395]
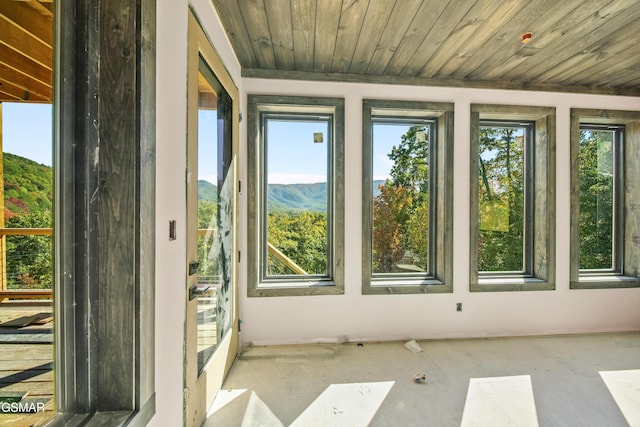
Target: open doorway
[26, 206]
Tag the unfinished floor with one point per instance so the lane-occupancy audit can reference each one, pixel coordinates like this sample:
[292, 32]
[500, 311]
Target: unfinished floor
[584, 380]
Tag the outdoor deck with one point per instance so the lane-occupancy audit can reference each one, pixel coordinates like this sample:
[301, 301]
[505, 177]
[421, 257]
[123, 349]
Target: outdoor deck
[26, 359]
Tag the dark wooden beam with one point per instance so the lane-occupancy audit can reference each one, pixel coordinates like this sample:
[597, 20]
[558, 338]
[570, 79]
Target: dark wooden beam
[105, 209]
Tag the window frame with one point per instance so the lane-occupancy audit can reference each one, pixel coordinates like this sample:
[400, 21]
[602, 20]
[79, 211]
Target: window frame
[261, 108]
[625, 272]
[440, 277]
[528, 183]
[540, 168]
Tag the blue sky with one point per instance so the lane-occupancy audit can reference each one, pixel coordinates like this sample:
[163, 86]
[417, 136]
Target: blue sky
[295, 158]
[27, 131]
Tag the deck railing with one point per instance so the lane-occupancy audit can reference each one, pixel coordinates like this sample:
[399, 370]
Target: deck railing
[18, 279]
[38, 291]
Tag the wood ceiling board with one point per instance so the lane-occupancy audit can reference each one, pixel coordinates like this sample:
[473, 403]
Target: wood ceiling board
[23, 43]
[443, 27]
[463, 43]
[24, 65]
[24, 17]
[326, 29]
[279, 17]
[303, 17]
[419, 29]
[528, 55]
[483, 19]
[504, 50]
[393, 34]
[576, 37]
[620, 46]
[25, 82]
[351, 18]
[14, 93]
[257, 25]
[231, 18]
[39, 7]
[377, 17]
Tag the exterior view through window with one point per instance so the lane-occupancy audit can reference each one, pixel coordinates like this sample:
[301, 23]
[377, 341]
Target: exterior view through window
[297, 185]
[402, 169]
[600, 156]
[26, 262]
[503, 188]
[215, 210]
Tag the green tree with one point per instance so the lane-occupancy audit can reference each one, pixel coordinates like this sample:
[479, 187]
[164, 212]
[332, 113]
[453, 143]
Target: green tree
[302, 237]
[391, 212]
[401, 210]
[596, 199]
[30, 258]
[501, 200]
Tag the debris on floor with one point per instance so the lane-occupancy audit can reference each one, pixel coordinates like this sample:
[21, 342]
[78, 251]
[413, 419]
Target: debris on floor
[419, 377]
[413, 346]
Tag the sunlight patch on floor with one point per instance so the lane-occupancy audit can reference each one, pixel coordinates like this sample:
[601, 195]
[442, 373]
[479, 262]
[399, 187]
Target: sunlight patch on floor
[500, 401]
[624, 386]
[259, 414]
[223, 398]
[345, 405]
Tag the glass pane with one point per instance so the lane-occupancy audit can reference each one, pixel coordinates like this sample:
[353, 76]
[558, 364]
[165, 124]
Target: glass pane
[401, 169]
[297, 204]
[215, 203]
[501, 204]
[596, 157]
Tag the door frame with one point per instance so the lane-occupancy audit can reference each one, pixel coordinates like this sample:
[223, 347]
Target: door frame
[201, 388]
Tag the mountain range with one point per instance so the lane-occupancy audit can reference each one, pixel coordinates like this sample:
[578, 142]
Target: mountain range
[286, 197]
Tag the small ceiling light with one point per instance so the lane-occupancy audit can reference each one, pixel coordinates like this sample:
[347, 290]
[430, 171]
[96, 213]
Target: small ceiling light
[526, 37]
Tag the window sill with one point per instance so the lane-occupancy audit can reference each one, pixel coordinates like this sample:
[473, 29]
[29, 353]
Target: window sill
[405, 286]
[298, 288]
[511, 284]
[605, 282]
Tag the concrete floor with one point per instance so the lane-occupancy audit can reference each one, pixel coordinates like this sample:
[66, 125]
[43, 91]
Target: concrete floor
[546, 381]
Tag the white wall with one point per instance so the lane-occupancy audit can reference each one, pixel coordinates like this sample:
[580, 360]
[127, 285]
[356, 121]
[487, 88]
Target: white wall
[276, 320]
[171, 129]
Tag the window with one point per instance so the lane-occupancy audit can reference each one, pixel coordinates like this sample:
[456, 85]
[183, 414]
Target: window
[603, 218]
[512, 198]
[407, 204]
[296, 148]
[505, 150]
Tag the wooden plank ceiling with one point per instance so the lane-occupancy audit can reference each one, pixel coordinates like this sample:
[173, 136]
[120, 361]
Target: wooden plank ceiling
[576, 46]
[26, 50]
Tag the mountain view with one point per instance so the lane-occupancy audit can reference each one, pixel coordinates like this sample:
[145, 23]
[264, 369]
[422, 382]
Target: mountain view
[28, 199]
[28, 186]
[286, 197]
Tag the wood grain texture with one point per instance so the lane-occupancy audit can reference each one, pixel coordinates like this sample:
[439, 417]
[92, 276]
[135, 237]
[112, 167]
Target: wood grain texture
[117, 202]
[280, 25]
[581, 46]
